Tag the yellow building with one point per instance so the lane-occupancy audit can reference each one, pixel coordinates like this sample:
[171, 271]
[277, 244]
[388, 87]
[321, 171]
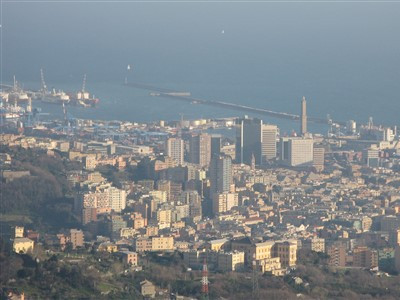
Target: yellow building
[19, 232]
[151, 231]
[157, 243]
[23, 245]
[108, 247]
[90, 162]
[269, 264]
[162, 243]
[164, 216]
[217, 245]
[263, 250]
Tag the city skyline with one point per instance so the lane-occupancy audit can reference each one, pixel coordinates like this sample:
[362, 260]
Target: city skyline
[199, 150]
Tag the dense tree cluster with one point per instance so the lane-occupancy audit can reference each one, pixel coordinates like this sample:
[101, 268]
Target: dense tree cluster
[42, 195]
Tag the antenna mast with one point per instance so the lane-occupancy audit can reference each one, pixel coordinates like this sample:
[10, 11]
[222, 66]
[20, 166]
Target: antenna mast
[204, 281]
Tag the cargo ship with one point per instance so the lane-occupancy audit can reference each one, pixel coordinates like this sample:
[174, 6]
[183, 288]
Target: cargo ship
[83, 99]
[55, 97]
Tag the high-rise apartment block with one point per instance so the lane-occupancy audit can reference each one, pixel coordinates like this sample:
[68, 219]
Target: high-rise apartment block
[200, 149]
[175, 149]
[221, 174]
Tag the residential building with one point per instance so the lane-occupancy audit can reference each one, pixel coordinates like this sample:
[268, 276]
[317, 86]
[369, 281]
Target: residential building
[129, 257]
[175, 149]
[221, 174]
[223, 202]
[365, 258]
[287, 252]
[230, 261]
[314, 244]
[200, 149]
[76, 238]
[337, 255]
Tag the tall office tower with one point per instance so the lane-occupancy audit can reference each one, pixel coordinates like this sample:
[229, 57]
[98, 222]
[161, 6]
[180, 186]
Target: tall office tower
[248, 140]
[175, 149]
[221, 174]
[200, 149]
[268, 148]
[370, 157]
[303, 117]
[296, 151]
[319, 158]
[215, 145]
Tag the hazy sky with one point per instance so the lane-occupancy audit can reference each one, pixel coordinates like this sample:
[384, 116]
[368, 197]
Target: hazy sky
[344, 56]
[185, 40]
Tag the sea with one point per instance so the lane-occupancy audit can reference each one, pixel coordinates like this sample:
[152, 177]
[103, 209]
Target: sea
[344, 57]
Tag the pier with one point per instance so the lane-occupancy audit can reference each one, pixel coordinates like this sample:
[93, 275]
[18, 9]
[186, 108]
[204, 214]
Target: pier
[178, 95]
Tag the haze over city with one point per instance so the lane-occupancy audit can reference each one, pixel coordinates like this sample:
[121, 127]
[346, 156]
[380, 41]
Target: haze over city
[199, 150]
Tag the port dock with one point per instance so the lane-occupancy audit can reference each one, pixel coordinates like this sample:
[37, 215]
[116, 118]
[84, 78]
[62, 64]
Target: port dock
[184, 96]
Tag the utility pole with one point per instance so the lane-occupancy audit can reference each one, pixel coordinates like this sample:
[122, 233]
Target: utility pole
[255, 292]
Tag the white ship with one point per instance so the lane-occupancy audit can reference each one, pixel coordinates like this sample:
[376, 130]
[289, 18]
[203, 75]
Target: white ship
[56, 97]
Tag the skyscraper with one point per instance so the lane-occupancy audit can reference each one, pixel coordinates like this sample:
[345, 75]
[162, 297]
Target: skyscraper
[297, 151]
[248, 140]
[303, 117]
[319, 158]
[221, 174]
[215, 145]
[268, 150]
[200, 149]
[175, 149]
